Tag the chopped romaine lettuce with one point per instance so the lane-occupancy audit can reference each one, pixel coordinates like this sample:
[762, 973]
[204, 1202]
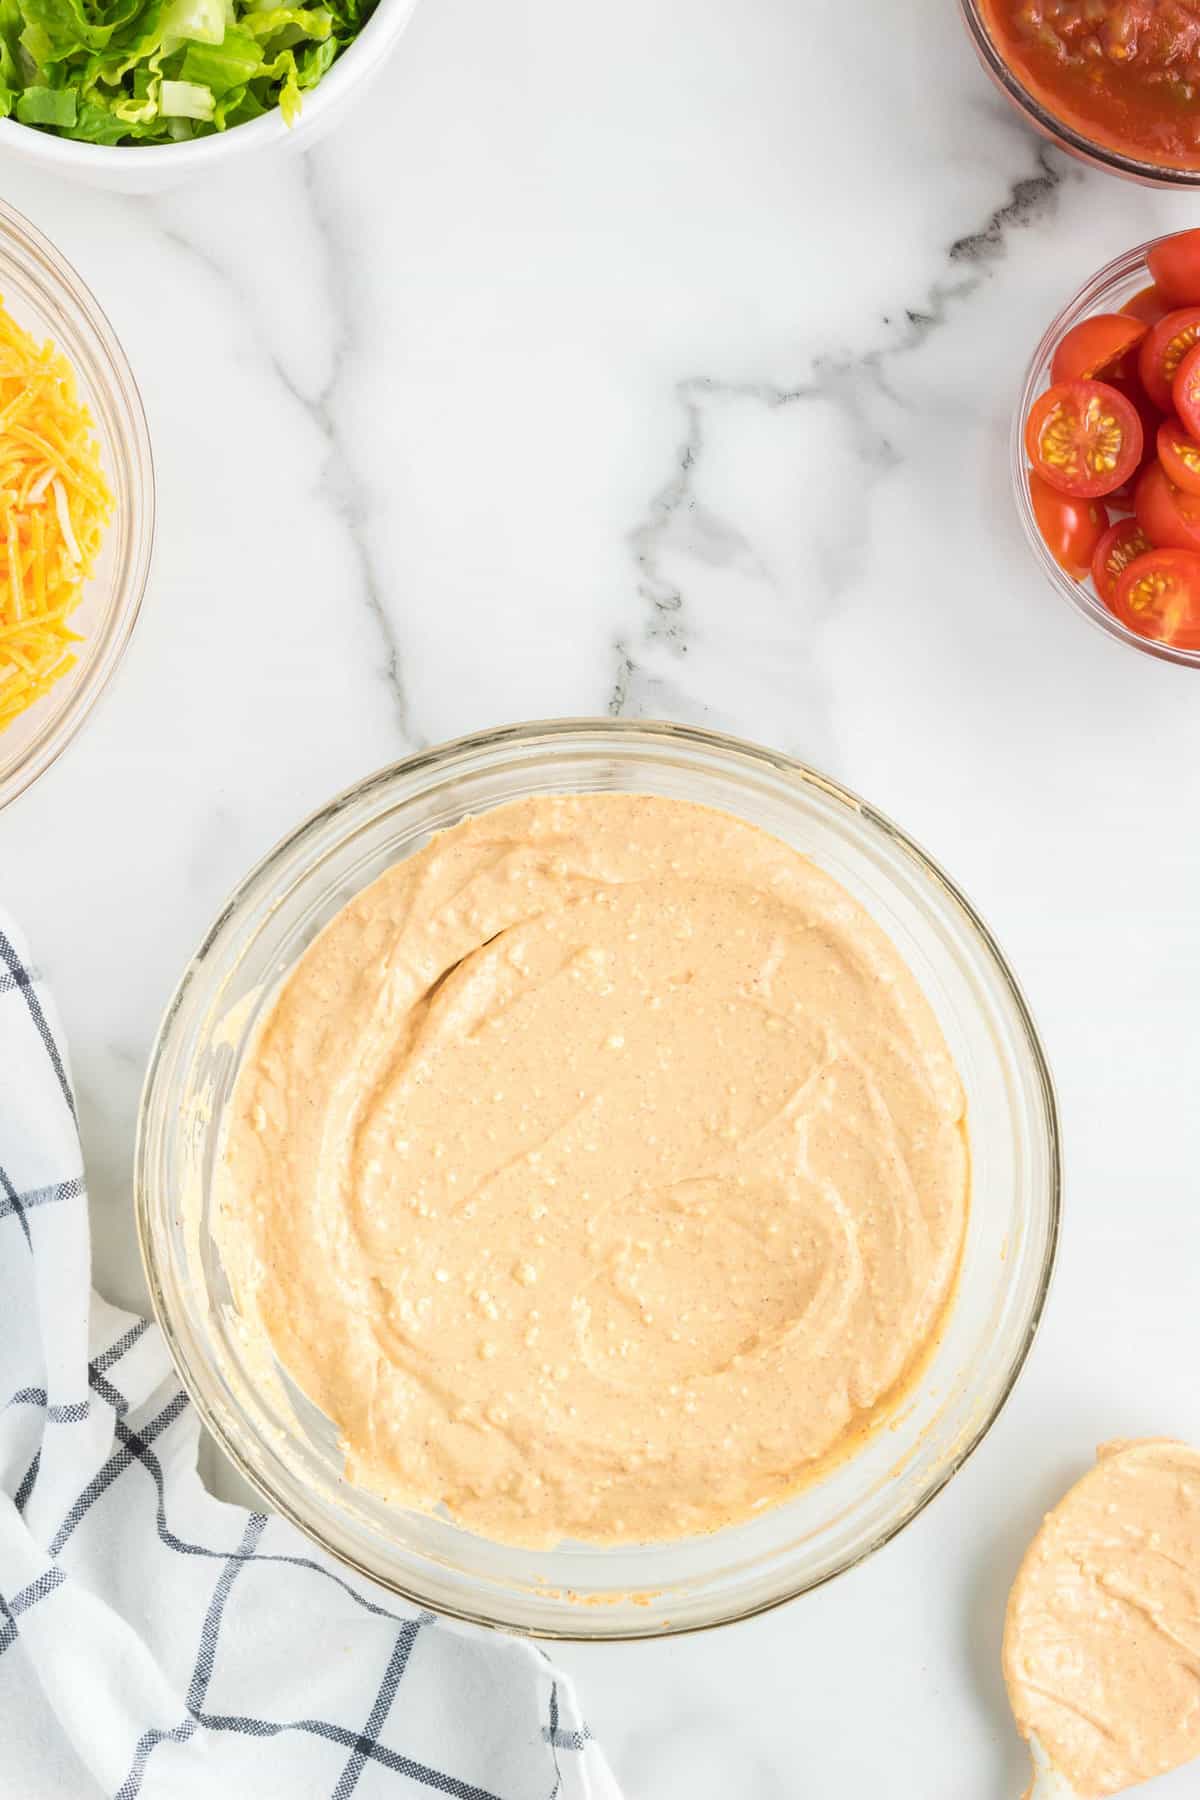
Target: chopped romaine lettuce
[194, 22]
[46, 106]
[185, 100]
[156, 71]
[223, 66]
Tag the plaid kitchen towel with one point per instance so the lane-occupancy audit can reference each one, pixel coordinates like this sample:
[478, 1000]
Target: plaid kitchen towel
[155, 1642]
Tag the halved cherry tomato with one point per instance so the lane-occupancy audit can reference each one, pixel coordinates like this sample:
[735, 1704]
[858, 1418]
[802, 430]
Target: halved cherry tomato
[1083, 437]
[1129, 383]
[1148, 305]
[1158, 595]
[1185, 391]
[1175, 266]
[1131, 386]
[1179, 454]
[1113, 554]
[1094, 345]
[1169, 517]
[1073, 529]
[1163, 349]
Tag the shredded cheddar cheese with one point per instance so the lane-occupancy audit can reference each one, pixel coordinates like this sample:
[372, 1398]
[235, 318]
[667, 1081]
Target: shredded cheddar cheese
[54, 506]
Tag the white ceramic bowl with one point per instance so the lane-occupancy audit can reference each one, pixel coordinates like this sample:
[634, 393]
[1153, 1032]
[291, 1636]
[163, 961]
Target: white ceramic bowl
[151, 168]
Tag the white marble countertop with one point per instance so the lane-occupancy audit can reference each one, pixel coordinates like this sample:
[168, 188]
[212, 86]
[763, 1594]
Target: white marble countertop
[659, 360]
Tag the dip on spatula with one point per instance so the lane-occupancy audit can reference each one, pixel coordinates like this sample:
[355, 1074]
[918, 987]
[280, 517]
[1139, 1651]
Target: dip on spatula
[1102, 1635]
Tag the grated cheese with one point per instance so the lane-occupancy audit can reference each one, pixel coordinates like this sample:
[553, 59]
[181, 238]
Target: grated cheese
[54, 507]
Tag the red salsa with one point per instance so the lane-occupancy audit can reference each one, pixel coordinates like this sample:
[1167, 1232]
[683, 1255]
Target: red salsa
[1123, 73]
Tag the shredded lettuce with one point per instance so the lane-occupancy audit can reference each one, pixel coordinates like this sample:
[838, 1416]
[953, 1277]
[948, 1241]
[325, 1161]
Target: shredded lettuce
[194, 22]
[185, 100]
[159, 71]
[46, 106]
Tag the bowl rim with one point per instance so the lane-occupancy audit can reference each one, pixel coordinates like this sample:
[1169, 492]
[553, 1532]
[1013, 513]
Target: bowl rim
[566, 729]
[1058, 129]
[156, 160]
[60, 285]
[1085, 301]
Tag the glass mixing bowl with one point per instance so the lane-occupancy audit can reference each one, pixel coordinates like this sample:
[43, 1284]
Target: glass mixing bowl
[289, 1451]
[45, 295]
[1106, 292]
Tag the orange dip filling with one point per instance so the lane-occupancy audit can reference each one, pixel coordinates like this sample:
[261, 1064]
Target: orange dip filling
[600, 1171]
[1102, 1637]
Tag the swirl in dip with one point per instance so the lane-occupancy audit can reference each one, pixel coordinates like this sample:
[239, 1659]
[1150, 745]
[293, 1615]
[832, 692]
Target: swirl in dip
[600, 1171]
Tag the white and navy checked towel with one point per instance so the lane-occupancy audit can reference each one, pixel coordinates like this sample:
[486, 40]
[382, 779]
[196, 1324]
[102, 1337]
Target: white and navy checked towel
[155, 1642]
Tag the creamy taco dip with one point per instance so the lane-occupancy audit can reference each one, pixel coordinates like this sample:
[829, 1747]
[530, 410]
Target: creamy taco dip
[1102, 1637]
[600, 1171]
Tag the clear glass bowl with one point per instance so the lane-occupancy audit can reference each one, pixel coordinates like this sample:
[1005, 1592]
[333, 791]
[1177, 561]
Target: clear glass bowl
[1107, 291]
[45, 295]
[289, 1451]
[1059, 130]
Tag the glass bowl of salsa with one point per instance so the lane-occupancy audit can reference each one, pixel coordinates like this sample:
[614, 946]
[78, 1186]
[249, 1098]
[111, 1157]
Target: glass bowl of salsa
[1116, 82]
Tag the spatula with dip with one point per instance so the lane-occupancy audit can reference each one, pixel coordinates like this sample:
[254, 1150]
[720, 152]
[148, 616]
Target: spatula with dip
[1102, 1635]
[1048, 1784]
